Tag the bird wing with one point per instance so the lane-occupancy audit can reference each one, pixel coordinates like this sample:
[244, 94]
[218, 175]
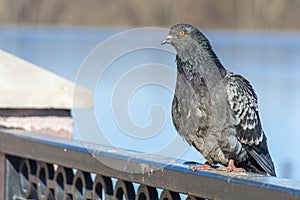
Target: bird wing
[243, 103]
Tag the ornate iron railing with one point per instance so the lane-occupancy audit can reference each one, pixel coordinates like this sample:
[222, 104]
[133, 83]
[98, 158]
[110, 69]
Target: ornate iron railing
[35, 166]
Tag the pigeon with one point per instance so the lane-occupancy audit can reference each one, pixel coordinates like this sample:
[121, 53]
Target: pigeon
[215, 110]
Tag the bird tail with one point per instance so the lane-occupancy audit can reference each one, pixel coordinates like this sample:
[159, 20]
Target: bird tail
[263, 159]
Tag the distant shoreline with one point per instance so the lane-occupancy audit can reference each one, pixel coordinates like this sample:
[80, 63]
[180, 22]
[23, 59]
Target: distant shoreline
[229, 14]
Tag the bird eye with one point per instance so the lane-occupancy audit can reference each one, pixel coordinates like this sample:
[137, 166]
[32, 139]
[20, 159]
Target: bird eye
[182, 32]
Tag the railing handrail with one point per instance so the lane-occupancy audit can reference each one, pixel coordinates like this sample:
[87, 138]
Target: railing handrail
[173, 177]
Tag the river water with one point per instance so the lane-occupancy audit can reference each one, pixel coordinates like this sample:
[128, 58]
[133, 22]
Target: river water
[269, 60]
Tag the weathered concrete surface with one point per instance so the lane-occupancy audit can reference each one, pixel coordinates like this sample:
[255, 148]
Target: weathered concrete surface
[50, 125]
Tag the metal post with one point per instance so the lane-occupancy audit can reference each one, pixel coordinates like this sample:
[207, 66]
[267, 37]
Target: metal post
[2, 175]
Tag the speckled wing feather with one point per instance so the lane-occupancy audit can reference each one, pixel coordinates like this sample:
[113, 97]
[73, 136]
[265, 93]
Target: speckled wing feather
[243, 103]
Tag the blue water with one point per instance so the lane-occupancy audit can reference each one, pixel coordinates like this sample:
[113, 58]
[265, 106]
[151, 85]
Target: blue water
[268, 60]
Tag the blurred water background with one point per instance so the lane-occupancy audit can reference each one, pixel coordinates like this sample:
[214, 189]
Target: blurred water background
[269, 60]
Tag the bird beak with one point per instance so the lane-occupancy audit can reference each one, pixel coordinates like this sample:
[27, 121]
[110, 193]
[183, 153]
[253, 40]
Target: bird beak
[167, 40]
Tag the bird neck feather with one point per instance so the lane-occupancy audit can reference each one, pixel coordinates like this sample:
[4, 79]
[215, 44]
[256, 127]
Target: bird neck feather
[198, 62]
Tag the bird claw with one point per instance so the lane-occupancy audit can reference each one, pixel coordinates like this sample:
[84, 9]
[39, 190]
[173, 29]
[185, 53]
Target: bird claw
[201, 167]
[231, 168]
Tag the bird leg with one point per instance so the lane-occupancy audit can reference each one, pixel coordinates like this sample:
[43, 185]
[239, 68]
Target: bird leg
[230, 167]
[205, 166]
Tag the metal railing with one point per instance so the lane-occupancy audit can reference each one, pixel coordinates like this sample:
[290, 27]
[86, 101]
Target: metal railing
[35, 166]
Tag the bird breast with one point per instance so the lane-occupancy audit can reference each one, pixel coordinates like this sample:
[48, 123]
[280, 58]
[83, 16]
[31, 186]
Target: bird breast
[190, 107]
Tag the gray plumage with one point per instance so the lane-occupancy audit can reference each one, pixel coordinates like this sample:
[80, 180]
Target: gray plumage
[213, 109]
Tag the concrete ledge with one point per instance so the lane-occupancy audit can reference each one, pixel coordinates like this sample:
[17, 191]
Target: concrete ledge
[25, 85]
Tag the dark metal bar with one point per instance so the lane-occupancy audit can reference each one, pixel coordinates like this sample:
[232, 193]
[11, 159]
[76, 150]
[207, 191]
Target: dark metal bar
[34, 112]
[2, 175]
[175, 177]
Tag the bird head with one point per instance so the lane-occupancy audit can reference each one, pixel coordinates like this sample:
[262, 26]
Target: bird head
[187, 39]
[180, 33]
